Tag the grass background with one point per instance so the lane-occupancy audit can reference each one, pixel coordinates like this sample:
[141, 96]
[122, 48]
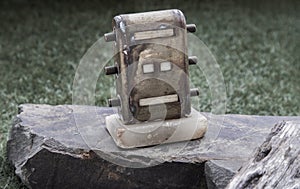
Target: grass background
[255, 43]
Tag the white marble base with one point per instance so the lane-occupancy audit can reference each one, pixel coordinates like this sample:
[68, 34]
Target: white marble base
[156, 132]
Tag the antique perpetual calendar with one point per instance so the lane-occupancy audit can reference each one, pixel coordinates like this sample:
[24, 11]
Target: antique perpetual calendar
[151, 68]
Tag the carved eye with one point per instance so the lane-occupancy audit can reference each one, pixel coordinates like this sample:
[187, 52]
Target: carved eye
[148, 68]
[165, 66]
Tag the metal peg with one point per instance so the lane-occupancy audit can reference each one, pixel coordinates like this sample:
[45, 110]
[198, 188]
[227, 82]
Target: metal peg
[194, 92]
[191, 28]
[109, 70]
[114, 102]
[193, 60]
[110, 37]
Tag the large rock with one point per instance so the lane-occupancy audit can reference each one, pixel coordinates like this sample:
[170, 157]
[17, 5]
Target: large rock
[68, 147]
[276, 163]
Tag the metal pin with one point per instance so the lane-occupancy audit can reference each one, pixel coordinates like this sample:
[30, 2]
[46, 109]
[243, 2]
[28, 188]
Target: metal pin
[193, 60]
[109, 70]
[194, 92]
[191, 28]
[114, 102]
[110, 37]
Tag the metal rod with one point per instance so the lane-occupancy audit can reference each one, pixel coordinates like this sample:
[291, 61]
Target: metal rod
[110, 37]
[191, 28]
[193, 60]
[109, 70]
[194, 92]
[114, 102]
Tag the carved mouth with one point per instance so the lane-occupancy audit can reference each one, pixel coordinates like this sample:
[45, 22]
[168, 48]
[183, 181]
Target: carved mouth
[154, 99]
[158, 100]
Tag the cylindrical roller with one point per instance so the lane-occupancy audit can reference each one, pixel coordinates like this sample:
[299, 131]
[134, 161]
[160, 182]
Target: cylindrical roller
[110, 37]
[191, 28]
[194, 92]
[109, 70]
[193, 60]
[114, 102]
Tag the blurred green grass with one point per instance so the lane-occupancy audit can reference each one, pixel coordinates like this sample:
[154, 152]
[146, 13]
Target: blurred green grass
[255, 43]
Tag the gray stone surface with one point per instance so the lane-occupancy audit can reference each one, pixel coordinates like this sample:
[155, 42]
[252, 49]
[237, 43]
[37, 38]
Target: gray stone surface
[67, 146]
